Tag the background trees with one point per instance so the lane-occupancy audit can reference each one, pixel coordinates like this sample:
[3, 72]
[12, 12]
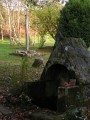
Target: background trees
[45, 20]
[3, 19]
[75, 20]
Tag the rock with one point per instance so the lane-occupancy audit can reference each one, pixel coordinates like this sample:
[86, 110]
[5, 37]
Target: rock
[72, 54]
[29, 53]
[70, 59]
[38, 62]
[4, 110]
[68, 65]
[44, 116]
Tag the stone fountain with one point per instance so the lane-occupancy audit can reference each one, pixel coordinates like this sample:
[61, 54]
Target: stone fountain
[66, 76]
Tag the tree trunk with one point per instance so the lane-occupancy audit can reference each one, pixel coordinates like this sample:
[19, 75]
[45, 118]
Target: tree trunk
[9, 21]
[2, 32]
[19, 36]
[26, 31]
[2, 22]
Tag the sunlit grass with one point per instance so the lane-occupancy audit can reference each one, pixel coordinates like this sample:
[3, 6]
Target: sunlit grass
[6, 49]
[10, 64]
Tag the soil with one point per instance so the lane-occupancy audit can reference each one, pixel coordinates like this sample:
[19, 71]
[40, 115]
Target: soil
[17, 109]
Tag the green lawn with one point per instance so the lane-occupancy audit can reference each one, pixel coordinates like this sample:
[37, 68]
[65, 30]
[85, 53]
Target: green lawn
[6, 49]
[12, 67]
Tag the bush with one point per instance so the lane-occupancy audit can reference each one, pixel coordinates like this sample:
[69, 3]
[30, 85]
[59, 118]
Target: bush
[19, 77]
[75, 114]
[46, 19]
[75, 20]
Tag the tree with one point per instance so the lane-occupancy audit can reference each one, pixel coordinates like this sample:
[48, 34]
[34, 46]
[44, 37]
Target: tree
[2, 20]
[75, 20]
[46, 19]
[8, 6]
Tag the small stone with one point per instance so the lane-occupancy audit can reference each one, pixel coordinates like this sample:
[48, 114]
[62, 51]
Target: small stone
[4, 110]
[38, 62]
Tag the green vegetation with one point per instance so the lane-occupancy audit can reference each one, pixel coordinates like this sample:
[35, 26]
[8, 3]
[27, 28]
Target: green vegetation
[44, 20]
[15, 70]
[47, 19]
[75, 20]
[6, 49]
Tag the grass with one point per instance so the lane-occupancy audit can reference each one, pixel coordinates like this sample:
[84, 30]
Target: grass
[5, 50]
[15, 69]
[12, 65]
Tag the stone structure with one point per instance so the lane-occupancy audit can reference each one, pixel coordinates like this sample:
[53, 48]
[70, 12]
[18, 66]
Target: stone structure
[68, 65]
[69, 56]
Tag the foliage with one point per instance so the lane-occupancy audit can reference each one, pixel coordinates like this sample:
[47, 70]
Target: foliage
[45, 19]
[14, 70]
[75, 20]
[15, 85]
[48, 18]
[74, 114]
[24, 70]
[42, 41]
[18, 79]
[24, 99]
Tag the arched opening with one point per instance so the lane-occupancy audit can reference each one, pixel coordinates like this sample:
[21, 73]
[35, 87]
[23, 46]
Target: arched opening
[46, 93]
[59, 73]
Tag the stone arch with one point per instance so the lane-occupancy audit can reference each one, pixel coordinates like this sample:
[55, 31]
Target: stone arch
[59, 73]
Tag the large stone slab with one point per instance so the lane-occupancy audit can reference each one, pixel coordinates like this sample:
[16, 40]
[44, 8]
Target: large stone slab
[4, 110]
[45, 116]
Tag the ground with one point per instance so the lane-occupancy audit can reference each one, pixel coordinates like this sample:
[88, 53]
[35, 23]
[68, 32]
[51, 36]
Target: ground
[15, 109]
[11, 70]
[15, 69]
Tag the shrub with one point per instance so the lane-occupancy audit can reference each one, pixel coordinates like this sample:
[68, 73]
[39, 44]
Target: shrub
[19, 77]
[75, 20]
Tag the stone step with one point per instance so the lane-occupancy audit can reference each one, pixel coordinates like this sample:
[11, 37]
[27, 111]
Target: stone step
[4, 110]
[44, 116]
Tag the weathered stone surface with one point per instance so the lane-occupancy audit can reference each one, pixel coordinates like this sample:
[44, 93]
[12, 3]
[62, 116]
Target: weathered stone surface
[41, 116]
[68, 65]
[45, 116]
[4, 110]
[71, 53]
[69, 60]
